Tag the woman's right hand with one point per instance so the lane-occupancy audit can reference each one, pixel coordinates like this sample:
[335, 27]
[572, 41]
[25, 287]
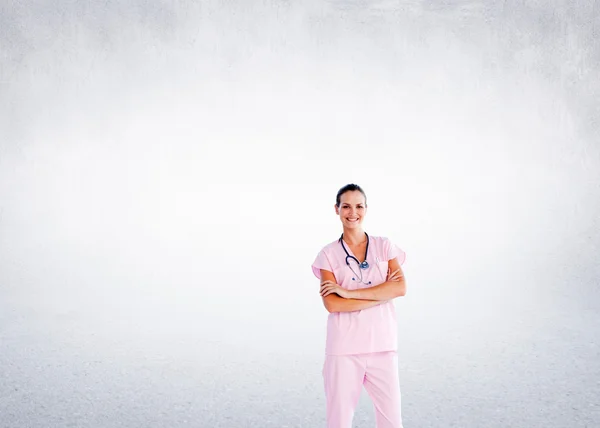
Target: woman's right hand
[393, 276]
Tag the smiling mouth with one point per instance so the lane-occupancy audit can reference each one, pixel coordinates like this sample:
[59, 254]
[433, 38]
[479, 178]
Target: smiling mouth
[352, 220]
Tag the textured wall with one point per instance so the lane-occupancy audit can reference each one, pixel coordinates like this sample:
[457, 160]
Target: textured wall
[167, 176]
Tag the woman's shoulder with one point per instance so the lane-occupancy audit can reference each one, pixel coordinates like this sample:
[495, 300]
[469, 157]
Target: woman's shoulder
[379, 238]
[327, 247]
[381, 242]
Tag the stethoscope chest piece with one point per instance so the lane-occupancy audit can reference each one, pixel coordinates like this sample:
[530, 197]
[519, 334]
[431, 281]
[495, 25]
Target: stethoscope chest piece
[363, 265]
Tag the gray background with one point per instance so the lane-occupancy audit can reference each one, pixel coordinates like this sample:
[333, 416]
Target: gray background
[167, 176]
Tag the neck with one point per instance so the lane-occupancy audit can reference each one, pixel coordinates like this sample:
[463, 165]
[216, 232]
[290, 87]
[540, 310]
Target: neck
[354, 236]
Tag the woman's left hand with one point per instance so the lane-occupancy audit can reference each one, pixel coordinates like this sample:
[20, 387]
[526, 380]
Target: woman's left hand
[329, 287]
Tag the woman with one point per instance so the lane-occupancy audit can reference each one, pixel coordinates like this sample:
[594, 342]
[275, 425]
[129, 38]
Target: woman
[360, 276]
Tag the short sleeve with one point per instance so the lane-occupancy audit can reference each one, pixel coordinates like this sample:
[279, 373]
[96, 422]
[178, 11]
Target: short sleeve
[393, 251]
[321, 262]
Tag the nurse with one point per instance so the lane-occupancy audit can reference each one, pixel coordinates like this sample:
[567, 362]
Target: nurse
[360, 276]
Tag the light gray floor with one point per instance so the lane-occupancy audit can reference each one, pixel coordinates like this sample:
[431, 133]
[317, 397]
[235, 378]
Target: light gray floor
[57, 373]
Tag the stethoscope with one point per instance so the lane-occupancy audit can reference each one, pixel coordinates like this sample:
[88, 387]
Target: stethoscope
[362, 266]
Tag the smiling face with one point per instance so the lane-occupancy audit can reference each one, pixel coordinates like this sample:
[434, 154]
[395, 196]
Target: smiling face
[352, 209]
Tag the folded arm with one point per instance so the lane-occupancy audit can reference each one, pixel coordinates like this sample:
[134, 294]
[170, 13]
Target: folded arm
[335, 303]
[385, 291]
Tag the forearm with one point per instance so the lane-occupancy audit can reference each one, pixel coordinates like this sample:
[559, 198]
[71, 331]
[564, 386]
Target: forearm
[385, 291]
[339, 304]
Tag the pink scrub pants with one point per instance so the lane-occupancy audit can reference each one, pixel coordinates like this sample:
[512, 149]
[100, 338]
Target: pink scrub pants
[344, 377]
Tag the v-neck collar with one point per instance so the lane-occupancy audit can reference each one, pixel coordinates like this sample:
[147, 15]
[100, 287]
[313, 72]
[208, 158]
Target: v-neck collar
[352, 252]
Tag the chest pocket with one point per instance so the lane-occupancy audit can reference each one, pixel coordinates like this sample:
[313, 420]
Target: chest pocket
[376, 273]
[381, 273]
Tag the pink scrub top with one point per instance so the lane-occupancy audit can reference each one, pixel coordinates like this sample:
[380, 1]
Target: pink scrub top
[367, 330]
